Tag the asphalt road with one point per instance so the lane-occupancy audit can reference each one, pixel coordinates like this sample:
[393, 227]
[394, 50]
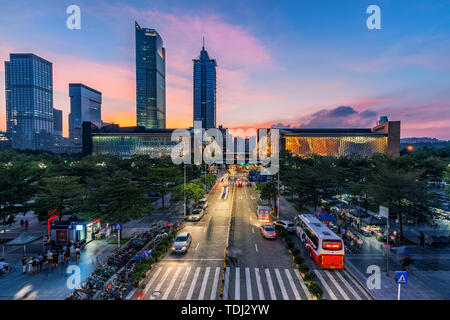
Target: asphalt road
[262, 269]
[198, 273]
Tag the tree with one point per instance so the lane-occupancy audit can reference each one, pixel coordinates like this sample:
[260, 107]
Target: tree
[194, 191]
[17, 187]
[118, 199]
[268, 190]
[61, 193]
[404, 193]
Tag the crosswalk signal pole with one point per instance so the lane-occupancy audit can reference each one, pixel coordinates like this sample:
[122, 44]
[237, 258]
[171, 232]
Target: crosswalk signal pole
[398, 295]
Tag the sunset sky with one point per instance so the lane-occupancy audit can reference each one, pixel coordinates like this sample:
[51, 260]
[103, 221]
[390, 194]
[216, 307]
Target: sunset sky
[280, 63]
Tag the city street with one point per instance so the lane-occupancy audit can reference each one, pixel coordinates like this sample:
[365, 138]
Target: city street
[198, 273]
[264, 269]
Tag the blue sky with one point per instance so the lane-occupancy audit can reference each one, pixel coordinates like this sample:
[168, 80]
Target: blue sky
[290, 63]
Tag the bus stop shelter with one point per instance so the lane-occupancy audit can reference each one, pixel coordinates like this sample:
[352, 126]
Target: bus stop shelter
[22, 240]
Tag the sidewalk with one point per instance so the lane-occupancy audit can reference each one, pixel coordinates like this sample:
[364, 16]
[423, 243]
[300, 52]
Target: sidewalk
[428, 277]
[51, 284]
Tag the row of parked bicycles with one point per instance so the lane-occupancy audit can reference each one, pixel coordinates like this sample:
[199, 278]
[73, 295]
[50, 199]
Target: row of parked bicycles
[112, 280]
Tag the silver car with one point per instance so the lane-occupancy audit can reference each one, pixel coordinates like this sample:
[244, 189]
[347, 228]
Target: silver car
[286, 224]
[196, 215]
[268, 231]
[182, 243]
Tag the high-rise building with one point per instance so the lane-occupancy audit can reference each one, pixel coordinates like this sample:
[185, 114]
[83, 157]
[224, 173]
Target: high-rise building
[29, 101]
[150, 79]
[57, 122]
[205, 89]
[85, 105]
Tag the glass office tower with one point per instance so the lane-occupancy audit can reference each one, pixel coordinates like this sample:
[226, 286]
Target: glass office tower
[150, 79]
[29, 101]
[205, 90]
[85, 105]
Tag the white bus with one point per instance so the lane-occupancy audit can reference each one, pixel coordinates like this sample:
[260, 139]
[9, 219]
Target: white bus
[324, 246]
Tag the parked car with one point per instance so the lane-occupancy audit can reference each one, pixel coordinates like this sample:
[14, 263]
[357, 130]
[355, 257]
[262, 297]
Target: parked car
[202, 204]
[182, 243]
[286, 224]
[196, 215]
[268, 231]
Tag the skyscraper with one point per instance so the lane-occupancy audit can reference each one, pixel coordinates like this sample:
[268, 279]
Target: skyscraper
[29, 101]
[150, 79]
[57, 122]
[205, 89]
[85, 105]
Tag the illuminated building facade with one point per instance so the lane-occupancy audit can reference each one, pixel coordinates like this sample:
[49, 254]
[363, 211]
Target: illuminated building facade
[126, 142]
[384, 139]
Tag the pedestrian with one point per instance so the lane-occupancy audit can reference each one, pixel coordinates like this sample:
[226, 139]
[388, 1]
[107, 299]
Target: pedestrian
[72, 250]
[56, 258]
[77, 253]
[21, 224]
[43, 259]
[51, 264]
[422, 239]
[40, 259]
[24, 264]
[26, 224]
[67, 256]
[30, 265]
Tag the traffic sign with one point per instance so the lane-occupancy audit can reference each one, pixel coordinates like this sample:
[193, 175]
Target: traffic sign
[118, 226]
[255, 176]
[401, 277]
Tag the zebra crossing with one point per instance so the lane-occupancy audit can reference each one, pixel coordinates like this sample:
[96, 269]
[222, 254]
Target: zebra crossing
[245, 283]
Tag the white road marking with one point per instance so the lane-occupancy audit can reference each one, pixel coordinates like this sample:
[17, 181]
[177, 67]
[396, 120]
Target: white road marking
[194, 281]
[291, 282]
[259, 285]
[225, 285]
[359, 286]
[256, 247]
[163, 279]
[214, 287]
[325, 285]
[253, 230]
[248, 283]
[269, 282]
[196, 247]
[155, 275]
[237, 286]
[302, 284]
[182, 283]
[281, 284]
[357, 296]
[172, 282]
[342, 292]
[205, 281]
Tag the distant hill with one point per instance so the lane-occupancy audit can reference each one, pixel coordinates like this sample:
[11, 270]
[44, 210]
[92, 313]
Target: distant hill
[421, 140]
[424, 142]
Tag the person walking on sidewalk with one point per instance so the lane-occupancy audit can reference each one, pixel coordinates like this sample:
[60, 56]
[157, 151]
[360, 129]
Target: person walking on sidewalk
[21, 224]
[26, 224]
[24, 264]
[30, 265]
[51, 264]
[421, 239]
[77, 253]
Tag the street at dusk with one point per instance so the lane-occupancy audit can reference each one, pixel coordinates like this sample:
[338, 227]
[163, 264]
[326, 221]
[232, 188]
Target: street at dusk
[225, 159]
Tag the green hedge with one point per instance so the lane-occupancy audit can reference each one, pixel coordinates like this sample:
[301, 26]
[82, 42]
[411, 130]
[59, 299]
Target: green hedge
[303, 268]
[316, 290]
[298, 260]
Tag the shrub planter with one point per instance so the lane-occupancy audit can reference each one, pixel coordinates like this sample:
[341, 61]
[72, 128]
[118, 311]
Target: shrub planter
[303, 268]
[316, 291]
